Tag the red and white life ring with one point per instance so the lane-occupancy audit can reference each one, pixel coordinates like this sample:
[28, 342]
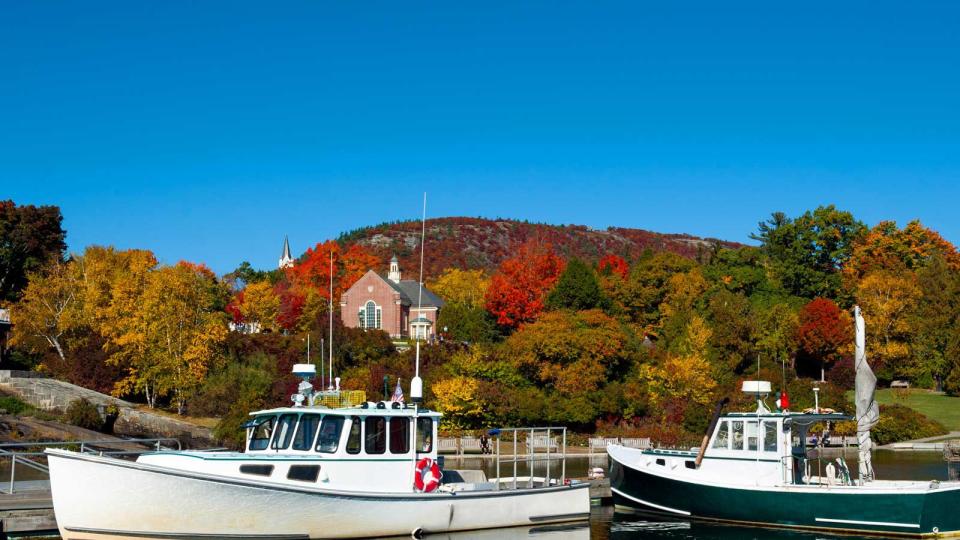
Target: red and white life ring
[426, 476]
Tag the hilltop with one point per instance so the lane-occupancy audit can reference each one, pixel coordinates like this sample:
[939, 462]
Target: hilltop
[483, 243]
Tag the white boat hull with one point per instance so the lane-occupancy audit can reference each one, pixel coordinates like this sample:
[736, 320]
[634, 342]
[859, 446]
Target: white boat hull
[99, 497]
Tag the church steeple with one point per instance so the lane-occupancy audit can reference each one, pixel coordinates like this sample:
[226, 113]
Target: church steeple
[286, 260]
[394, 274]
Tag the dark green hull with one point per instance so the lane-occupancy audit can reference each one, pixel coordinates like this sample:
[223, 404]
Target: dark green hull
[932, 513]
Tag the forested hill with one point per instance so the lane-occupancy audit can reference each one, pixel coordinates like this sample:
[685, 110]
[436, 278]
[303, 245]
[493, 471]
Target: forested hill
[484, 243]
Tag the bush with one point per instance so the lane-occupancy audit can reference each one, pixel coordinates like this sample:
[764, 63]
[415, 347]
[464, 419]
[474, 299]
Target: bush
[13, 405]
[952, 385]
[82, 413]
[899, 423]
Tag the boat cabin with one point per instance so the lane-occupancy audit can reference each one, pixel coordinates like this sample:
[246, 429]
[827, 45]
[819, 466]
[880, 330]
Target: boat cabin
[760, 448]
[371, 447]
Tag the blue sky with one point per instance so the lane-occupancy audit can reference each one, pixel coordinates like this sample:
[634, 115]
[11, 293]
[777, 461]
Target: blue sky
[206, 131]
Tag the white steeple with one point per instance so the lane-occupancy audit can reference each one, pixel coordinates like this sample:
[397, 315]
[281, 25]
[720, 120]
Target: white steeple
[286, 261]
[394, 274]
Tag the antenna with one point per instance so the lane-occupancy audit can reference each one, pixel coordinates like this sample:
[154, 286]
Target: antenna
[330, 316]
[416, 384]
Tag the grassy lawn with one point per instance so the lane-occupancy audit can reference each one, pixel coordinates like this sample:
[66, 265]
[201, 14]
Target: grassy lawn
[939, 407]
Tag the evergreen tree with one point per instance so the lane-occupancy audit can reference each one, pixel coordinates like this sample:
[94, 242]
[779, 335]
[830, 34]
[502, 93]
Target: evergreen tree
[577, 289]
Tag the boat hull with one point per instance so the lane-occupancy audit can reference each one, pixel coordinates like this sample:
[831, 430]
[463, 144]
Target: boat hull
[97, 497]
[930, 513]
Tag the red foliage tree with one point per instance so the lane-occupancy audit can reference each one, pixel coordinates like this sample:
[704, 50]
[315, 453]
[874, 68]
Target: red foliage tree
[313, 270]
[291, 306]
[519, 289]
[824, 331]
[613, 265]
[233, 308]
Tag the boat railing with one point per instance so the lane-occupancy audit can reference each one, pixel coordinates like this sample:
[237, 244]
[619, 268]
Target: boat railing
[29, 454]
[552, 440]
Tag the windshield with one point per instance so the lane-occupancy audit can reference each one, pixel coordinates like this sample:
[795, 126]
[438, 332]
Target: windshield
[262, 431]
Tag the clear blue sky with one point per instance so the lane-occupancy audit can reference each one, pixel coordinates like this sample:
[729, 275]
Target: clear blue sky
[206, 131]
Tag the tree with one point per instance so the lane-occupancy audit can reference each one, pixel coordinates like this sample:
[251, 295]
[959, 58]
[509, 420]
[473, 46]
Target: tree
[180, 327]
[261, 305]
[885, 247]
[465, 287]
[613, 265]
[776, 331]
[932, 322]
[572, 353]
[887, 299]
[807, 253]
[648, 285]
[825, 332]
[466, 323]
[50, 308]
[518, 290]
[577, 289]
[682, 379]
[29, 237]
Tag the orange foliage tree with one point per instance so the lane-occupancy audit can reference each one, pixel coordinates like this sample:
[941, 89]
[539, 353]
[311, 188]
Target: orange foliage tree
[518, 290]
[825, 331]
[886, 247]
[613, 265]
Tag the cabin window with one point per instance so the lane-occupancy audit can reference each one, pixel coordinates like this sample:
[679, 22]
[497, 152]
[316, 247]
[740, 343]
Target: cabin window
[259, 470]
[376, 435]
[399, 435]
[284, 432]
[661, 461]
[304, 473]
[262, 433]
[425, 434]
[306, 431]
[329, 437]
[737, 438]
[722, 440]
[769, 436]
[353, 440]
[753, 435]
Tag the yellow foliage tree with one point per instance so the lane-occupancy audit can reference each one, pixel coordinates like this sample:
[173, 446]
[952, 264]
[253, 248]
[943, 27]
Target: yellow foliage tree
[687, 376]
[458, 398]
[466, 287]
[683, 290]
[260, 305]
[887, 299]
[177, 331]
[50, 308]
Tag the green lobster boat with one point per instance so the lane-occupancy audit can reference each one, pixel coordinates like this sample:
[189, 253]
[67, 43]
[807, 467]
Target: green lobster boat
[753, 469]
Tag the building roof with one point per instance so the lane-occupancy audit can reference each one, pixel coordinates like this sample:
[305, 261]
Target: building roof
[286, 249]
[409, 291]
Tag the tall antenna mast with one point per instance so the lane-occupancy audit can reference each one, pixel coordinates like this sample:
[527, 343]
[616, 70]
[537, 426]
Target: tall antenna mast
[330, 316]
[416, 384]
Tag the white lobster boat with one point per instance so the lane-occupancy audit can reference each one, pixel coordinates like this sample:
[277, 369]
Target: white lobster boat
[307, 472]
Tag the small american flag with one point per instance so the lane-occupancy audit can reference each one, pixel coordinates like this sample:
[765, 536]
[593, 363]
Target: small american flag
[397, 393]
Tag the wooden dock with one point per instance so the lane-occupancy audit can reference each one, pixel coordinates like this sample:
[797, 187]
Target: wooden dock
[28, 512]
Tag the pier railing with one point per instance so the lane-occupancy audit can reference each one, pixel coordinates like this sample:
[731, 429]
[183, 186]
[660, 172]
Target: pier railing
[539, 438]
[30, 454]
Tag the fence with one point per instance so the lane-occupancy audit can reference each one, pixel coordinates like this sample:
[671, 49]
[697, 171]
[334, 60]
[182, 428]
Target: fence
[26, 455]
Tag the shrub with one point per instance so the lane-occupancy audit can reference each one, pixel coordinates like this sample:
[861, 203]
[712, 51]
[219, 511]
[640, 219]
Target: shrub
[899, 423]
[13, 405]
[952, 385]
[82, 413]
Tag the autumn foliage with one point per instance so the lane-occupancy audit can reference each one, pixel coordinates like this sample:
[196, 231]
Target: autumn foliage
[518, 291]
[825, 331]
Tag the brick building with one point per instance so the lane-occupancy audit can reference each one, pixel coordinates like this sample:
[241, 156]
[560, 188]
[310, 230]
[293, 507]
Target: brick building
[390, 304]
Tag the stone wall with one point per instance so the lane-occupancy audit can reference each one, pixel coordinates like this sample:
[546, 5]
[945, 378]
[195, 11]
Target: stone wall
[55, 396]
